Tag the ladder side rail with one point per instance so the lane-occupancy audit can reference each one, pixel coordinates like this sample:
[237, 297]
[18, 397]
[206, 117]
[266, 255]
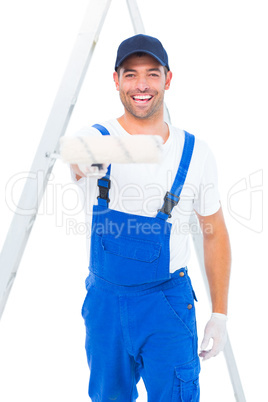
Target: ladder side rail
[139, 29]
[228, 352]
[233, 372]
[135, 17]
[197, 238]
[42, 165]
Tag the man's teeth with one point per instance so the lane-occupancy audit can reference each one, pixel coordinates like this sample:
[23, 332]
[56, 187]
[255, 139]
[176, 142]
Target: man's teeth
[142, 97]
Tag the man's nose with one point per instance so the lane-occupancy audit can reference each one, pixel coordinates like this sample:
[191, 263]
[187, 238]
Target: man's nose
[142, 84]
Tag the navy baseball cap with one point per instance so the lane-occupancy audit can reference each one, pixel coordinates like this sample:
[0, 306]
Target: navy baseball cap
[142, 43]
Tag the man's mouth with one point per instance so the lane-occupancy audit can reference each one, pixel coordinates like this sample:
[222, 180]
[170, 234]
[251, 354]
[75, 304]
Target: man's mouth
[142, 98]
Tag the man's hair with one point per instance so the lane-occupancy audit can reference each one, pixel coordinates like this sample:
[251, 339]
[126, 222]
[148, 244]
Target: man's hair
[138, 54]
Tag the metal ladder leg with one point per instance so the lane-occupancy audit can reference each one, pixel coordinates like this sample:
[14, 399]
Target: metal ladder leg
[139, 29]
[228, 352]
[42, 166]
[197, 238]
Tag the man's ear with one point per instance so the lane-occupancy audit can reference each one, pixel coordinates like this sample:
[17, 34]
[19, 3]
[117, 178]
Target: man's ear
[168, 79]
[116, 80]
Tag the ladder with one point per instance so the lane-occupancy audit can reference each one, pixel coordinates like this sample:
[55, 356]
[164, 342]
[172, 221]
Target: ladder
[25, 215]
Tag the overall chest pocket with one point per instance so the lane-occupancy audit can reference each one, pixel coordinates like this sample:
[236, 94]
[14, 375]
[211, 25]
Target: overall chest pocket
[130, 248]
[126, 260]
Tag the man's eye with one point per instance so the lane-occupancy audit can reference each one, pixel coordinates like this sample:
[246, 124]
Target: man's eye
[129, 75]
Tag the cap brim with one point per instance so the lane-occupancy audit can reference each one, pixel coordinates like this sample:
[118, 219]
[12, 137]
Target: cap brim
[140, 51]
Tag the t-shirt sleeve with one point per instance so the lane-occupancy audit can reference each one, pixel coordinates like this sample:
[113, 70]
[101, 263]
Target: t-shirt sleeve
[208, 200]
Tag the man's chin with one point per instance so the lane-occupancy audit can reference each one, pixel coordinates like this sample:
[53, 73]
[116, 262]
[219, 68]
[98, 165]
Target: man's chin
[143, 114]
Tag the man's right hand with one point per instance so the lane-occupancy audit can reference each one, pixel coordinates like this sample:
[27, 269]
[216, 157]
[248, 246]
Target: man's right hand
[78, 173]
[99, 170]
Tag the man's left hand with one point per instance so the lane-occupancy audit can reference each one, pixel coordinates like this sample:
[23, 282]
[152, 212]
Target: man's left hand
[216, 330]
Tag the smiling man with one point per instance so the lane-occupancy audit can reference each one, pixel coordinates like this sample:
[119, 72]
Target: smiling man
[139, 311]
[142, 85]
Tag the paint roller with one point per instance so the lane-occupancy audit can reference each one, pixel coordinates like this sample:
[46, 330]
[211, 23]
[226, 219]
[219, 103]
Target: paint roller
[99, 150]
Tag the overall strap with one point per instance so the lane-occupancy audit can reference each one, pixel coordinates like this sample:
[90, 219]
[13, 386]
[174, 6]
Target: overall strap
[104, 183]
[172, 198]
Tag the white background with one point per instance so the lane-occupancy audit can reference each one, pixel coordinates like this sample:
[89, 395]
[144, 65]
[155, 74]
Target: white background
[218, 55]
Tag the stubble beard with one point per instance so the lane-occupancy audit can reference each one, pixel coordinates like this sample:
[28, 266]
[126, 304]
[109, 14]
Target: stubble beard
[152, 111]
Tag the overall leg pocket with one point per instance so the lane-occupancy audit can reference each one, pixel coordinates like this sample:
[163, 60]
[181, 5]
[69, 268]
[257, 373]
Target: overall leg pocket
[186, 385]
[180, 303]
[85, 311]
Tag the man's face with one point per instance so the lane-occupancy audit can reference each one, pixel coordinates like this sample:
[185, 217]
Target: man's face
[141, 84]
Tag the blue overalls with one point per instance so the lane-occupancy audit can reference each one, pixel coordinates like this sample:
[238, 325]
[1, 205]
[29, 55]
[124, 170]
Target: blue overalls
[140, 319]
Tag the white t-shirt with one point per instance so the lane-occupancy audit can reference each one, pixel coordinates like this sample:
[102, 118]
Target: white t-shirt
[139, 189]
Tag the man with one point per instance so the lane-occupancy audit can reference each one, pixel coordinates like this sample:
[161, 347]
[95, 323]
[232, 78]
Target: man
[139, 310]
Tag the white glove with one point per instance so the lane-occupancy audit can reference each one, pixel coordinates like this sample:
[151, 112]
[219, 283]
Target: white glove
[215, 329]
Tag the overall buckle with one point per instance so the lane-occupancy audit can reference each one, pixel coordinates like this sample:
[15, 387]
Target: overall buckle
[169, 204]
[104, 190]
